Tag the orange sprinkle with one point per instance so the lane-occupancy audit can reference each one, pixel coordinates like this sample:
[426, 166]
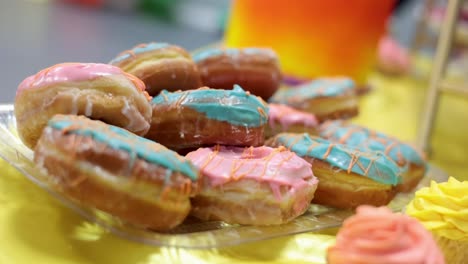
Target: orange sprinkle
[75, 182]
[330, 147]
[165, 192]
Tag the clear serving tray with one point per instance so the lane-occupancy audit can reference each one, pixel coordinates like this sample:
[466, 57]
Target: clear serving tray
[192, 233]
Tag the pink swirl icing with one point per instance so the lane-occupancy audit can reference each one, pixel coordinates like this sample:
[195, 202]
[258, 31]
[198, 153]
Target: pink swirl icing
[287, 116]
[74, 72]
[277, 166]
[377, 235]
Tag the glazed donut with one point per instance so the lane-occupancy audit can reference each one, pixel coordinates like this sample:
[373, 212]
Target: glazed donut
[160, 66]
[348, 177]
[327, 98]
[282, 118]
[409, 158]
[113, 170]
[255, 69]
[190, 119]
[99, 91]
[251, 186]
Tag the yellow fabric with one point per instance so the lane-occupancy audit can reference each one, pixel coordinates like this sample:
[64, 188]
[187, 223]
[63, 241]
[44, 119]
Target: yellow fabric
[35, 228]
[443, 209]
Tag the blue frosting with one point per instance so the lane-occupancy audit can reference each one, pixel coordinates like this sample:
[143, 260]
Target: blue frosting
[139, 49]
[208, 53]
[233, 106]
[120, 139]
[325, 87]
[372, 164]
[358, 136]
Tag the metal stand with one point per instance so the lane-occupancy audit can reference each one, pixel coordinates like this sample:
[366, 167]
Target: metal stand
[437, 85]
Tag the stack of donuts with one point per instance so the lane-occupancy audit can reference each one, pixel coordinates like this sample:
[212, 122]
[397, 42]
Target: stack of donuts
[158, 134]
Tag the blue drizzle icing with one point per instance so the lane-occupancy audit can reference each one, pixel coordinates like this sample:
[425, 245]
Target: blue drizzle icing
[325, 87]
[208, 53]
[139, 49]
[362, 137]
[233, 106]
[380, 168]
[120, 139]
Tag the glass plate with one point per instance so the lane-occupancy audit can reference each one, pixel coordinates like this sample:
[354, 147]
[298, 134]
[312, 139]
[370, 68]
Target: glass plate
[192, 233]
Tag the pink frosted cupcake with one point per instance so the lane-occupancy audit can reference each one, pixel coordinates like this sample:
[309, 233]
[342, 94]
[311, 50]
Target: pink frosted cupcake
[379, 236]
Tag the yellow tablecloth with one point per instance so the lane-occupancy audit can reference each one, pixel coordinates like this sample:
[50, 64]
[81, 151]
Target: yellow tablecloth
[35, 228]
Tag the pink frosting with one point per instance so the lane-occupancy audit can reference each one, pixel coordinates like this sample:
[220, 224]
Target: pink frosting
[379, 236]
[277, 166]
[392, 54]
[287, 116]
[74, 72]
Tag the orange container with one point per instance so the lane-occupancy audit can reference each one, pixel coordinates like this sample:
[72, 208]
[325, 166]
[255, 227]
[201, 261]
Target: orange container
[312, 37]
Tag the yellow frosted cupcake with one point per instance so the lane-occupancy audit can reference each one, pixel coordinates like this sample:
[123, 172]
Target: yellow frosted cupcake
[443, 209]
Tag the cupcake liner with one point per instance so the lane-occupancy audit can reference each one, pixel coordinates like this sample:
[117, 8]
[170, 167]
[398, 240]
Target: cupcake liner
[455, 251]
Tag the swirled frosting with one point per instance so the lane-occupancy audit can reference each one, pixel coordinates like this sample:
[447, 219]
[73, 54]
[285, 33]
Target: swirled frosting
[276, 166]
[287, 116]
[323, 87]
[378, 236]
[443, 208]
[371, 164]
[354, 135]
[74, 72]
[233, 106]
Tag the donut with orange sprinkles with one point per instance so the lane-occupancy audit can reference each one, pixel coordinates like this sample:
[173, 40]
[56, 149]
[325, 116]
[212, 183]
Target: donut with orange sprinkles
[348, 177]
[110, 169]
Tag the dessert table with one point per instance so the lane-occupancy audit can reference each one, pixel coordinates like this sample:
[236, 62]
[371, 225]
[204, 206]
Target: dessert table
[35, 227]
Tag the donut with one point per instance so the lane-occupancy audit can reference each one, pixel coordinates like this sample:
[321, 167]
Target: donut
[327, 98]
[348, 177]
[282, 118]
[160, 66]
[99, 91]
[251, 186]
[206, 117]
[257, 70]
[411, 160]
[108, 168]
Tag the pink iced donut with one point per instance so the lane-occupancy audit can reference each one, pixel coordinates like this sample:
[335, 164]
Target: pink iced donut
[254, 186]
[98, 91]
[282, 118]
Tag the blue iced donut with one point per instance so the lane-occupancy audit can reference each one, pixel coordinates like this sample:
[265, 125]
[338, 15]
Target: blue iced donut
[327, 98]
[113, 170]
[408, 157]
[206, 117]
[348, 177]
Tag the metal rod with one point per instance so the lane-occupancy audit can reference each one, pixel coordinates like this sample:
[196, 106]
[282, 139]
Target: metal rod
[438, 71]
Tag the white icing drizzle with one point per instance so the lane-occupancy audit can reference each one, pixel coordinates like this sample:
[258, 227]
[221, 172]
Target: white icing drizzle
[74, 110]
[89, 107]
[136, 122]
